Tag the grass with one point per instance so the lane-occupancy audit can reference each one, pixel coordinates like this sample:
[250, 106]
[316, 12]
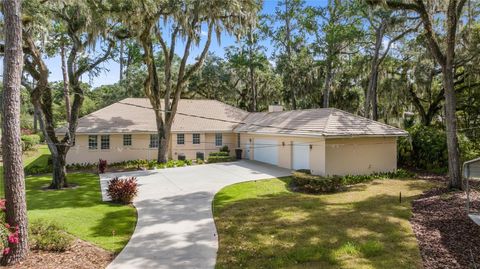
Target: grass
[261, 224]
[80, 210]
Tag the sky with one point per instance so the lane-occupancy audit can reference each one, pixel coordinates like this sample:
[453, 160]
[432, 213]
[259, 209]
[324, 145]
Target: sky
[110, 69]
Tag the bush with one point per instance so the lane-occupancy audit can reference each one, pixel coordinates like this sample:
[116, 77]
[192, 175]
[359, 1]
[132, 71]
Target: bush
[29, 141]
[219, 159]
[102, 166]
[306, 182]
[49, 236]
[355, 179]
[225, 149]
[303, 181]
[122, 190]
[219, 153]
[426, 148]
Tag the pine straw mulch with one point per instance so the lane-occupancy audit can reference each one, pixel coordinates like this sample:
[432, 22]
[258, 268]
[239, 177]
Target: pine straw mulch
[446, 235]
[81, 255]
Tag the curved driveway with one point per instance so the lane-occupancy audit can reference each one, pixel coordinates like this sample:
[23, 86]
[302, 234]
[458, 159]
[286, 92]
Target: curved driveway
[175, 227]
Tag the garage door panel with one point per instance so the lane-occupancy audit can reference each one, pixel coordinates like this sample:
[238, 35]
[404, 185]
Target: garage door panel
[266, 150]
[300, 155]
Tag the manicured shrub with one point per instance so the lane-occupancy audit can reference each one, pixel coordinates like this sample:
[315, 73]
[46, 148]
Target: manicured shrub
[225, 149]
[355, 179]
[49, 236]
[306, 182]
[200, 161]
[219, 153]
[122, 190]
[219, 159]
[29, 141]
[102, 166]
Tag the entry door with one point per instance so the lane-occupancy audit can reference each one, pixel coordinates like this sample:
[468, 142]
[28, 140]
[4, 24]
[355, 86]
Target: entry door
[300, 155]
[266, 150]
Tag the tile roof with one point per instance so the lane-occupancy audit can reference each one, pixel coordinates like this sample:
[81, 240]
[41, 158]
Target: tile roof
[315, 122]
[136, 115]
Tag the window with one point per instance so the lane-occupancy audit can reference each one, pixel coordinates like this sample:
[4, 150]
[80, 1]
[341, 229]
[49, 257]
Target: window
[127, 140]
[92, 142]
[180, 139]
[200, 156]
[105, 142]
[154, 141]
[196, 139]
[238, 140]
[218, 140]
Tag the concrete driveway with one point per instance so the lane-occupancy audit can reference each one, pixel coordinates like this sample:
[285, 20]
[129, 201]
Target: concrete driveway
[175, 227]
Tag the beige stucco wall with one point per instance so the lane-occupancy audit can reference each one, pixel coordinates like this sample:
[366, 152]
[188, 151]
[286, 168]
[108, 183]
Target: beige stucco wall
[340, 156]
[207, 145]
[317, 152]
[117, 152]
[140, 148]
[356, 156]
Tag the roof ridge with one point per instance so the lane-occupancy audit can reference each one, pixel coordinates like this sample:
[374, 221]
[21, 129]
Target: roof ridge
[326, 123]
[370, 120]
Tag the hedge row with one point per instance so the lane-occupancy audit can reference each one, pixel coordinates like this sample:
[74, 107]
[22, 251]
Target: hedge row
[219, 159]
[303, 181]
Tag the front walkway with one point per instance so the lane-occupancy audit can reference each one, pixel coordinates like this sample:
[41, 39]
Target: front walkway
[175, 227]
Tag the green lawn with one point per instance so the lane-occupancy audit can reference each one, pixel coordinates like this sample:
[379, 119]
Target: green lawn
[80, 210]
[261, 224]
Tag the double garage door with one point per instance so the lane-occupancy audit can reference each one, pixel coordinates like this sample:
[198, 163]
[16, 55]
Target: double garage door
[267, 151]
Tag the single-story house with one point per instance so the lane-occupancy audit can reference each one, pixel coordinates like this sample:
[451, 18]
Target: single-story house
[327, 141]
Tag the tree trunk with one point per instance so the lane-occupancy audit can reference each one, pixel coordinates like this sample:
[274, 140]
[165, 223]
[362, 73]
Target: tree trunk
[371, 93]
[328, 82]
[121, 59]
[14, 182]
[451, 122]
[59, 173]
[66, 92]
[374, 97]
[290, 86]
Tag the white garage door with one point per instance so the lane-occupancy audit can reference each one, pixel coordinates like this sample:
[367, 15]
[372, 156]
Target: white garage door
[301, 156]
[266, 151]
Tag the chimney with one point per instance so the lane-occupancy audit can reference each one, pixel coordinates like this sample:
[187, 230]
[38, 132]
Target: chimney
[275, 108]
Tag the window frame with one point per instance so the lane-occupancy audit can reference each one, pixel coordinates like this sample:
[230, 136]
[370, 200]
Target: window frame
[154, 143]
[92, 144]
[194, 139]
[129, 140]
[218, 137]
[182, 139]
[105, 142]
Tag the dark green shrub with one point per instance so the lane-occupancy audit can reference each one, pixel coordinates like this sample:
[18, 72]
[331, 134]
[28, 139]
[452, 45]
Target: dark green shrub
[219, 153]
[30, 141]
[306, 182]
[219, 159]
[355, 179]
[47, 235]
[225, 149]
[426, 148]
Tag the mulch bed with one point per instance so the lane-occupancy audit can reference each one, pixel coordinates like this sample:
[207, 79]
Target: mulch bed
[81, 255]
[446, 235]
